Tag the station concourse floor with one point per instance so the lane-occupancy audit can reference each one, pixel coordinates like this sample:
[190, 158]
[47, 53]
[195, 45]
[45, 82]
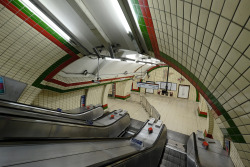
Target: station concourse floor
[178, 115]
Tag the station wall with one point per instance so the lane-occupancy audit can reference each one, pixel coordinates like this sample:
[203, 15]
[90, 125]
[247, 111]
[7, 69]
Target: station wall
[54, 100]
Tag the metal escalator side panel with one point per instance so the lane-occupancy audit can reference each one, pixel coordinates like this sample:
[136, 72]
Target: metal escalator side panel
[91, 131]
[149, 157]
[29, 128]
[83, 114]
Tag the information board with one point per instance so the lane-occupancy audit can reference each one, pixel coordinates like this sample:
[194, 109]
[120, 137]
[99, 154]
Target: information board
[183, 91]
[171, 86]
[150, 91]
[147, 86]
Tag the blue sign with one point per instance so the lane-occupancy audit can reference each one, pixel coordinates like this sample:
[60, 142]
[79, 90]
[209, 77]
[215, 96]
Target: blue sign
[83, 99]
[1, 85]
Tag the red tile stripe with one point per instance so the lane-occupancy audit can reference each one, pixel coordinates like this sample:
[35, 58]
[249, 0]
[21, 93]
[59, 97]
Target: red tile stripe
[158, 65]
[105, 105]
[33, 24]
[84, 83]
[150, 26]
[123, 97]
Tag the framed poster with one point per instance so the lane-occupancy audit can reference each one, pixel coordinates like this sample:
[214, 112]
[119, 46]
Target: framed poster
[158, 83]
[150, 91]
[163, 85]
[183, 91]
[2, 90]
[171, 86]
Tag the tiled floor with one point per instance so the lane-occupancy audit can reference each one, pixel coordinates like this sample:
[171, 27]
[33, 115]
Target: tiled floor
[177, 114]
[135, 110]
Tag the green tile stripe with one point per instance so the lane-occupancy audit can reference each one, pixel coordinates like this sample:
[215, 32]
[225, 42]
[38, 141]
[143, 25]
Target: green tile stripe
[197, 96]
[233, 131]
[36, 19]
[50, 69]
[142, 25]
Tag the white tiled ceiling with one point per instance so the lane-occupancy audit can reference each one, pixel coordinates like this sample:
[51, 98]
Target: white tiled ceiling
[211, 39]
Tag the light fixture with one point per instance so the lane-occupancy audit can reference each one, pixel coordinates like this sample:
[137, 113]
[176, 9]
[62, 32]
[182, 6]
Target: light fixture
[129, 61]
[45, 19]
[108, 58]
[133, 12]
[121, 15]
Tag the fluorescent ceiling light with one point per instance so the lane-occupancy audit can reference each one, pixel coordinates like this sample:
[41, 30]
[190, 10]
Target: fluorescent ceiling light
[45, 19]
[129, 61]
[121, 15]
[107, 58]
[132, 9]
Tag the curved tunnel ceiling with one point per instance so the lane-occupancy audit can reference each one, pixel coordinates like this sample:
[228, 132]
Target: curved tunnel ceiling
[104, 15]
[208, 43]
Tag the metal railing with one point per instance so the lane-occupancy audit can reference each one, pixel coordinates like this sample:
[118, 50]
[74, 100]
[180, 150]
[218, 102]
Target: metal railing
[149, 108]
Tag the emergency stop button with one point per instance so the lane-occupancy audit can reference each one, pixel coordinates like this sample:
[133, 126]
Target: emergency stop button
[150, 130]
[112, 116]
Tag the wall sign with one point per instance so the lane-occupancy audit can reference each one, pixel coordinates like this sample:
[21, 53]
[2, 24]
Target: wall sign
[2, 90]
[171, 86]
[183, 91]
[146, 85]
[150, 91]
[83, 100]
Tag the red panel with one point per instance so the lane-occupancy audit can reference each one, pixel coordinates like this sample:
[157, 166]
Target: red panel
[141, 2]
[145, 2]
[147, 12]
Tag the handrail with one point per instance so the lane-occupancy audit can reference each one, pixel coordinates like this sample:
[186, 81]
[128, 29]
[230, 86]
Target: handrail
[192, 150]
[149, 108]
[39, 110]
[197, 159]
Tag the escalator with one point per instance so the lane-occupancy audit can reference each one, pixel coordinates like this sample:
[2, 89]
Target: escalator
[23, 122]
[133, 128]
[49, 140]
[76, 114]
[173, 158]
[143, 149]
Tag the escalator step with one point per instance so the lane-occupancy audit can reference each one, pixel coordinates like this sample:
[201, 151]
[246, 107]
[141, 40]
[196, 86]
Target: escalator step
[174, 159]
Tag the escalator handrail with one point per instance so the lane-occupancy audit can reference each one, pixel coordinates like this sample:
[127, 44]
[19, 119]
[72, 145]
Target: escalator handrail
[131, 155]
[22, 140]
[68, 122]
[196, 151]
[29, 108]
